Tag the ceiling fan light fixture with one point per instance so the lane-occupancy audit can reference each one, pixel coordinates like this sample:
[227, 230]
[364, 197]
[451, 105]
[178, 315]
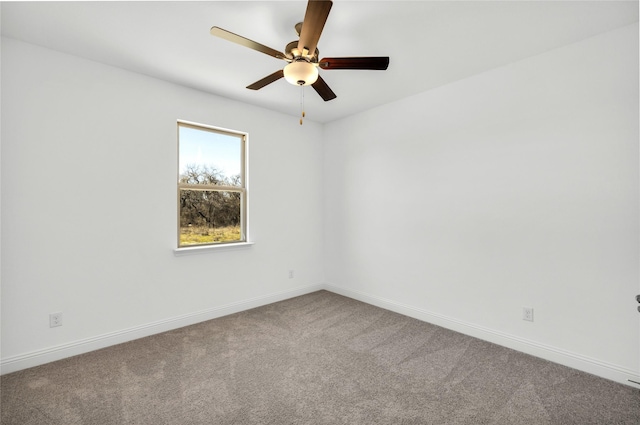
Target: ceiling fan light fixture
[303, 54]
[301, 73]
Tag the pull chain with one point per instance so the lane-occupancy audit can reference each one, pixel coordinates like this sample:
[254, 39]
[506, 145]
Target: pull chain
[302, 103]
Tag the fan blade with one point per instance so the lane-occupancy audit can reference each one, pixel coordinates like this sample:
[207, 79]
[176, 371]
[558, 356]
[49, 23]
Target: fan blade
[376, 63]
[314, 20]
[238, 39]
[267, 80]
[323, 89]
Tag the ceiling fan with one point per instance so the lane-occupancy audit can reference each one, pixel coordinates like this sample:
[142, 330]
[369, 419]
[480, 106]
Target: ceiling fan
[302, 55]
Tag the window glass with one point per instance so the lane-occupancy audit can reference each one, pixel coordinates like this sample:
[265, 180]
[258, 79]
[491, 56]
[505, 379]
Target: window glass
[208, 157]
[211, 185]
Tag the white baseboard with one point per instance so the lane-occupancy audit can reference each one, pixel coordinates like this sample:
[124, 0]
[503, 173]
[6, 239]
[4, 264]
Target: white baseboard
[58, 352]
[554, 354]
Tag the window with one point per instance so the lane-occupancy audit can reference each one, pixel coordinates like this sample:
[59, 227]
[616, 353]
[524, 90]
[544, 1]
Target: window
[212, 193]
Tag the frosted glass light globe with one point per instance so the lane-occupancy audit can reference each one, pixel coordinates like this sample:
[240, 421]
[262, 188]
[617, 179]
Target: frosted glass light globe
[301, 73]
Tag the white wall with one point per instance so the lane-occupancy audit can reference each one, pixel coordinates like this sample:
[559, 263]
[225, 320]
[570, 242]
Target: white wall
[89, 171]
[517, 187]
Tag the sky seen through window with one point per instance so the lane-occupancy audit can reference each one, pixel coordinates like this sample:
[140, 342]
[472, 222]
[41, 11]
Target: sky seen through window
[210, 149]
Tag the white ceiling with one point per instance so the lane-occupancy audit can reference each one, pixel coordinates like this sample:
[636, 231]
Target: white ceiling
[430, 43]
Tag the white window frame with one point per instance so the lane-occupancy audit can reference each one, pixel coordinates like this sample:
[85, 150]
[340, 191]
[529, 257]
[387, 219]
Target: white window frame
[243, 190]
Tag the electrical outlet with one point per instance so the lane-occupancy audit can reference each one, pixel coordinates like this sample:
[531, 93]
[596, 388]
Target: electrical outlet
[527, 314]
[290, 274]
[55, 319]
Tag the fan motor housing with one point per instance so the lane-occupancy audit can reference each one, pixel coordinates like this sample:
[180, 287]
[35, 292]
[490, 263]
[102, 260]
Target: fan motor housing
[292, 52]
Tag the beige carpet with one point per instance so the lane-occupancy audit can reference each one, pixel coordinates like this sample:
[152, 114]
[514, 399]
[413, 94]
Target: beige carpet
[316, 359]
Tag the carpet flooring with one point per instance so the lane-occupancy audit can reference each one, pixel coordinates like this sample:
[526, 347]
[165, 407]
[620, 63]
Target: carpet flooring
[316, 359]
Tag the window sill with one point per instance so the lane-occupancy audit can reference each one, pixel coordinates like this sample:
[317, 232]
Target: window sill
[190, 250]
